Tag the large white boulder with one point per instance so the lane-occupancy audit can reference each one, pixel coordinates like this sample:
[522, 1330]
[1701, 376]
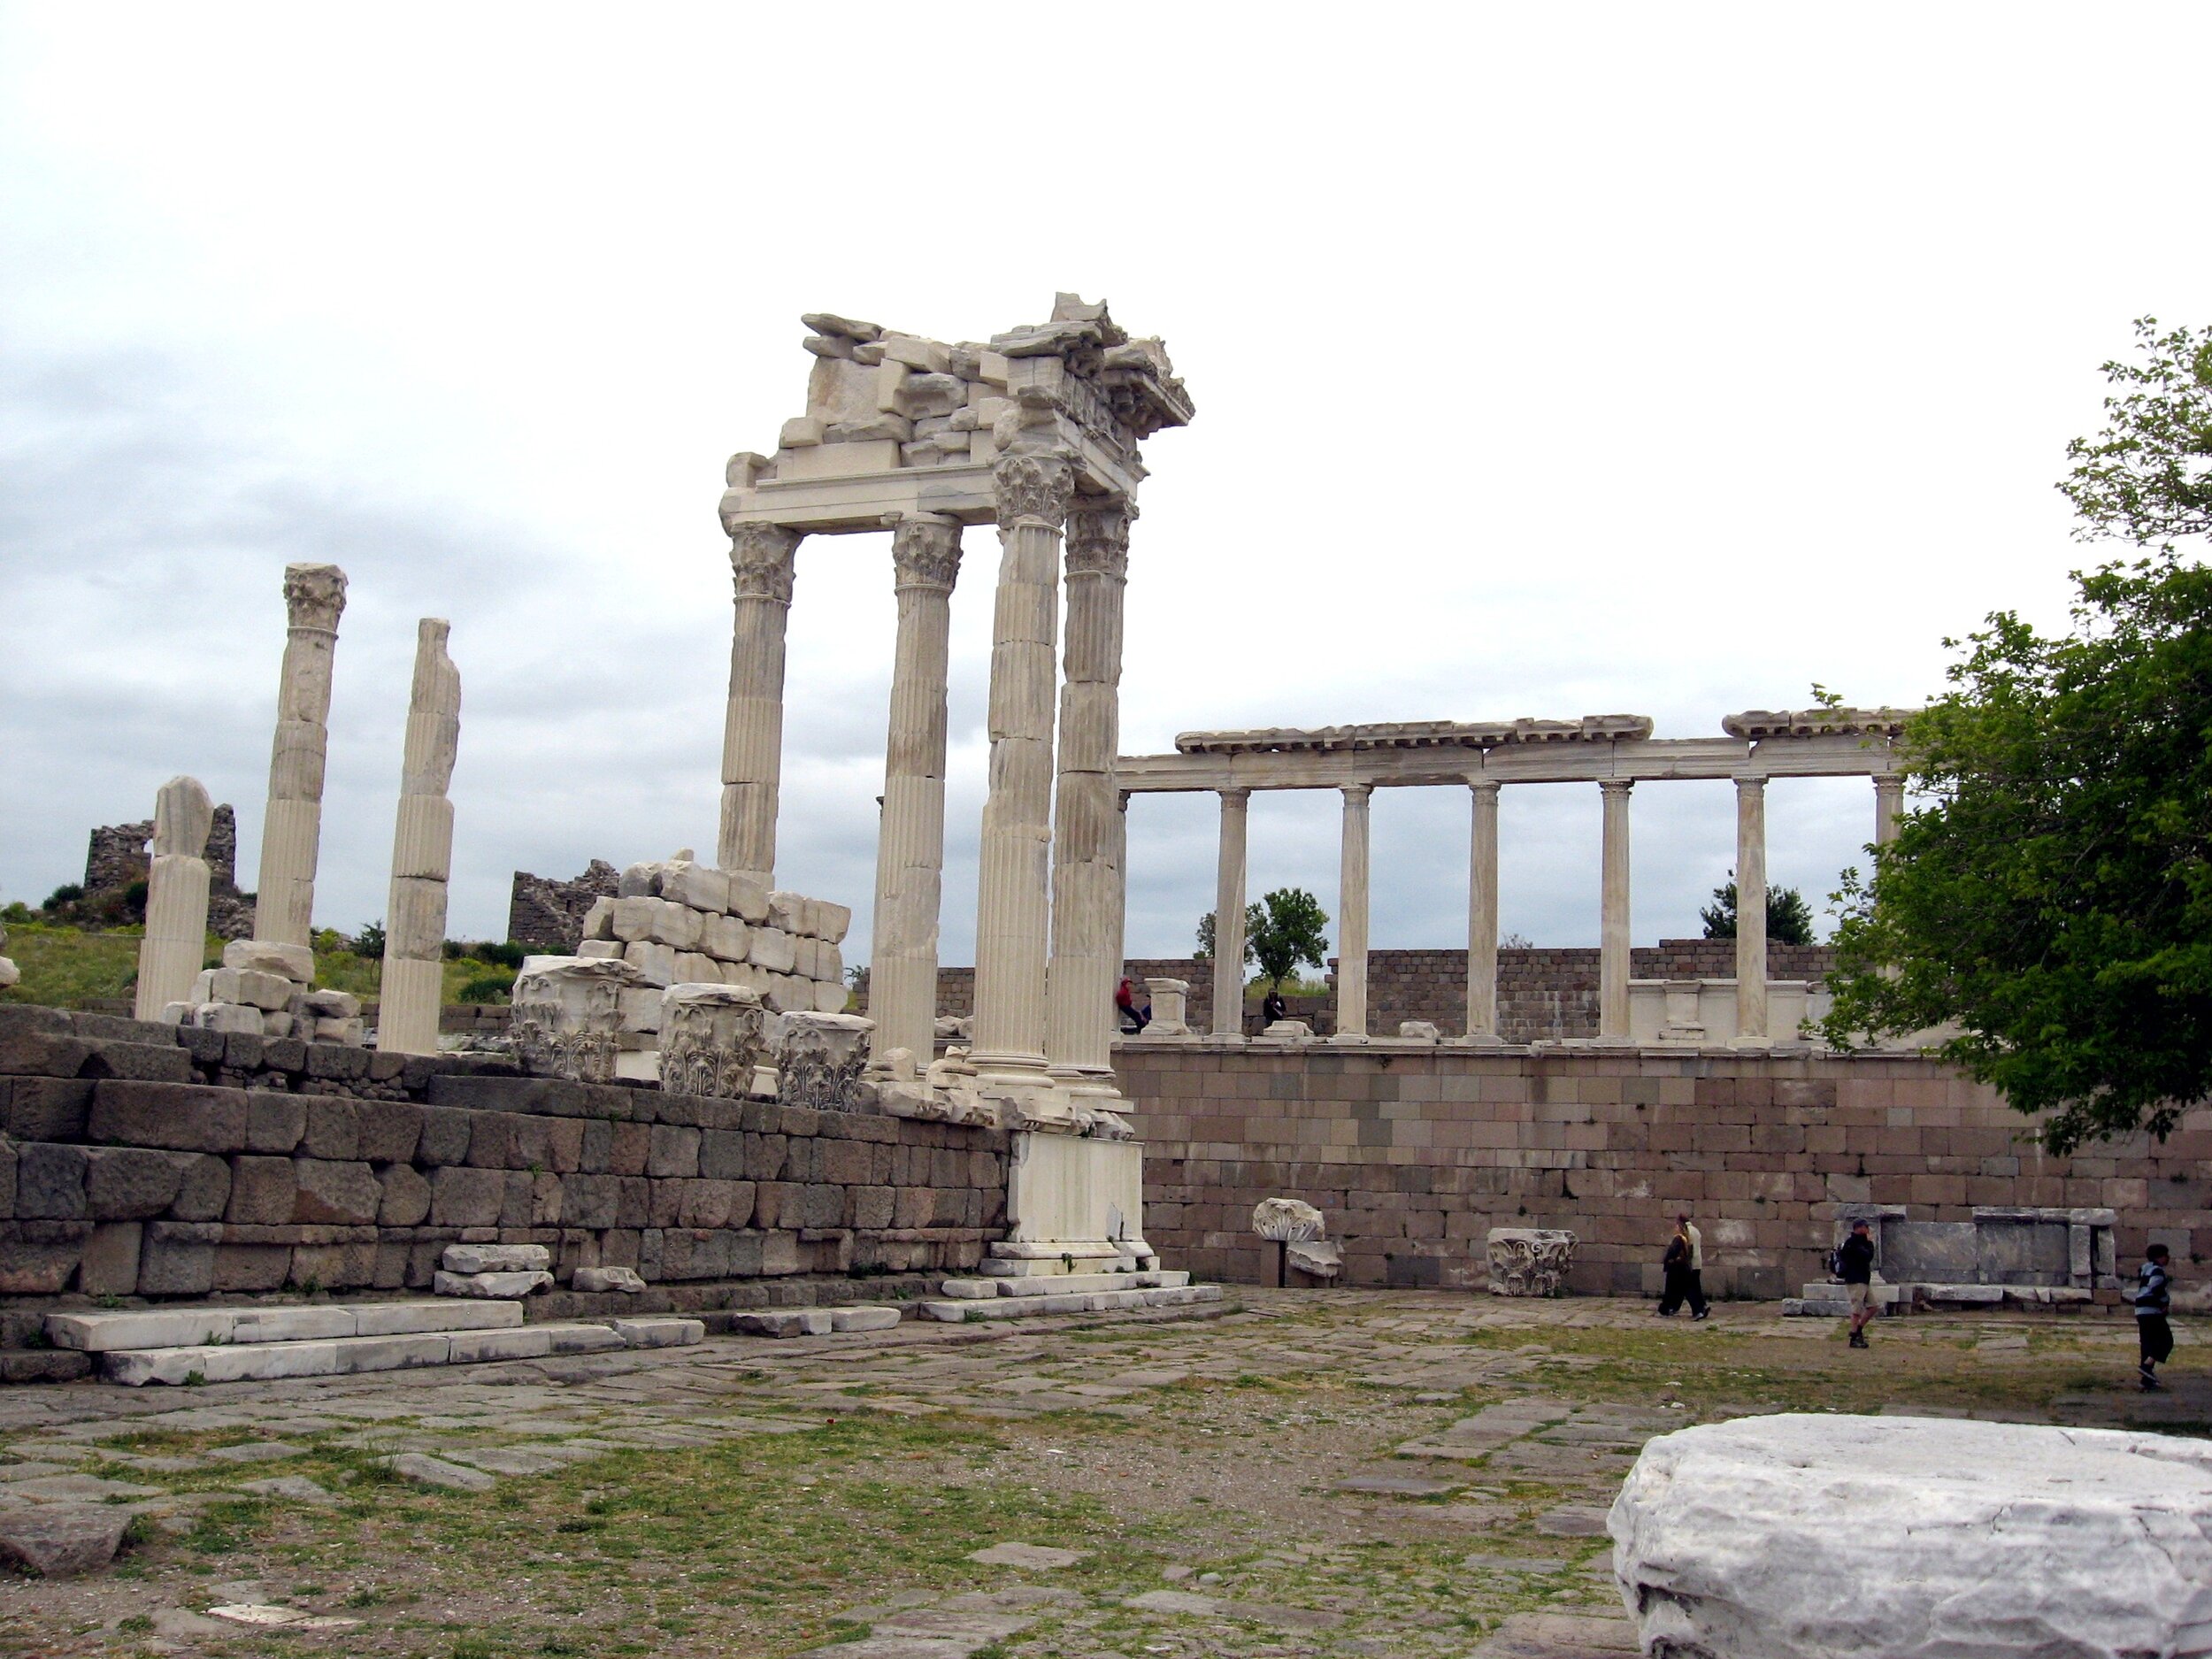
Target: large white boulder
[1805, 1537]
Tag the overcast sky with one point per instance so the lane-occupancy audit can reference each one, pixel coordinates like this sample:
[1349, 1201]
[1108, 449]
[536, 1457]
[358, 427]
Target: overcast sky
[1549, 361]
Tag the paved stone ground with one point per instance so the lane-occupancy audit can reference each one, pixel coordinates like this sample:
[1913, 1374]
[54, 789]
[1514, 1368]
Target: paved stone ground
[1309, 1473]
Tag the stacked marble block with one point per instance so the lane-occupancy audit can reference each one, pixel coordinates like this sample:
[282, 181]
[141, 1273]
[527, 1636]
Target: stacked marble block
[265, 989]
[879, 400]
[496, 1272]
[682, 923]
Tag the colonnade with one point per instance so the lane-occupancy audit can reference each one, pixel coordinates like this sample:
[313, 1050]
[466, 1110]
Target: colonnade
[1482, 907]
[1048, 913]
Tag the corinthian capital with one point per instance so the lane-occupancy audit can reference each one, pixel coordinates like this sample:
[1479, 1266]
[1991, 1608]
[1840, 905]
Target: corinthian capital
[313, 595]
[760, 561]
[1033, 489]
[1098, 541]
[926, 552]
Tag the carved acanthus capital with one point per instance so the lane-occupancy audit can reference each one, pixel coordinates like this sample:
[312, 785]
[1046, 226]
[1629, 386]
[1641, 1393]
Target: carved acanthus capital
[925, 553]
[314, 595]
[761, 561]
[1098, 541]
[1033, 489]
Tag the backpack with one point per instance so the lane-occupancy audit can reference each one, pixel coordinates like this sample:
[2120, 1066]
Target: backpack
[1835, 1262]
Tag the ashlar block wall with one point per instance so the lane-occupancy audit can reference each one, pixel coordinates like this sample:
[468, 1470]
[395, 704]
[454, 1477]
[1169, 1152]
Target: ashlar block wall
[1413, 1155]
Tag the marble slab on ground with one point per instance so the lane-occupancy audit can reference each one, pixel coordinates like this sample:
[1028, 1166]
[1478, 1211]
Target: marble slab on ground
[1557, 1636]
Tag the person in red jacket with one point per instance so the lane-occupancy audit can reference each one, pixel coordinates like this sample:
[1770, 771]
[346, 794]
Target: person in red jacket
[1133, 1019]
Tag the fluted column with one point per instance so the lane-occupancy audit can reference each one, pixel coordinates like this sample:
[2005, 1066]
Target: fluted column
[911, 842]
[422, 852]
[1613, 938]
[291, 834]
[1751, 909]
[1351, 925]
[1229, 916]
[1086, 858]
[169, 957]
[1015, 892]
[1482, 918]
[761, 563]
[1889, 801]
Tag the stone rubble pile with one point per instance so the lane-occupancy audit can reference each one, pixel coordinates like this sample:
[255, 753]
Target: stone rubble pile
[267, 989]
[681, 922]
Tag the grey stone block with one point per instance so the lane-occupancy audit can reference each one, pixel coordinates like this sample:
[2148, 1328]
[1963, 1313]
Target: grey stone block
[463, 1197]
[722, 1155]
[263, 1191]
[110, 1267]
[672, 1151]
[30, 1053]
[45, 1108]
[140, 1061]
[274, 1123]
[390, 1130]
[333, 1130]
[435, 1472]
[204, 1189]
[445, 1137]
[129, 1184]
[251, 1266]
[62, 1541]
[50, 1182]
[178, 1258]
[406, 1197]
[183, 1117]
[338, 1194]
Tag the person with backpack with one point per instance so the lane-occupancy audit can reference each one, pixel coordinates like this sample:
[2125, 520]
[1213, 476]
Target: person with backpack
[1853, 1262]
[2153, 1297]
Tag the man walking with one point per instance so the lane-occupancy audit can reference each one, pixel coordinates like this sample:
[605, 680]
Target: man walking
[1683, 1266]
[2152, 1295]
[1855, 1265]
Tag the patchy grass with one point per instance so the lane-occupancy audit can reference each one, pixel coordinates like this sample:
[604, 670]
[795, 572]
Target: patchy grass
[63, 967]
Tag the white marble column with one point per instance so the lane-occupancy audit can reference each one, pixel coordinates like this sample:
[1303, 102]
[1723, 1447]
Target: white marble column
[1085, 860]
[911, 841]
[422, 852]
[1351, 924]
[1111, 1017]
[175, 944]
[1014, 894]
[1889, 801]
[1751, 909]
[1613, 935]
[1482, 917]
[761, 564]
[291, 834]
[1229, 916]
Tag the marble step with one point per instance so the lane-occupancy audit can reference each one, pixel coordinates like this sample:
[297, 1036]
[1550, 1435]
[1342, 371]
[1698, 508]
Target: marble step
[1065, 1283]
[195, 1327]
[347, 1355]
[954, 1311]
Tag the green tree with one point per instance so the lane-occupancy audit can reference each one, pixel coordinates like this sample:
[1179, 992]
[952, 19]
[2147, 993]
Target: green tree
[1205, 951]
[2050, 894]
[1789, 918]
[1286, 927]
[2146, 478]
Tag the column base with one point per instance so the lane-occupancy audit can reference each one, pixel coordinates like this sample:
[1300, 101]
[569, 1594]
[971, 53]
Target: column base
[1073, 1197]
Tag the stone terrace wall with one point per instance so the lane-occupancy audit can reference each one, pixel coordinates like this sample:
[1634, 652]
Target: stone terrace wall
[131, 1185]
[1414, 1155]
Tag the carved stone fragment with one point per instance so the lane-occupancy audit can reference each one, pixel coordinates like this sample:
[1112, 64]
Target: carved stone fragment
[567, 1017]
[1529, 1261]
[712, 1038]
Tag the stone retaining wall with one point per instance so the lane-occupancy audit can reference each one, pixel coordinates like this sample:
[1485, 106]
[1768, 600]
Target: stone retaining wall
[1414, 1154]
[116, 1182]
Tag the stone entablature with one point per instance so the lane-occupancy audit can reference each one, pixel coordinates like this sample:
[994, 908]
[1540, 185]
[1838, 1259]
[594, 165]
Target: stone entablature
[1592, 728]
[1761, 723]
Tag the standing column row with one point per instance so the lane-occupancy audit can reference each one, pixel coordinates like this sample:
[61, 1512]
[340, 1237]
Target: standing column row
[1482, 917]
[1033, 492]
[1086, 820]
[761, 566]
[911, 842]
